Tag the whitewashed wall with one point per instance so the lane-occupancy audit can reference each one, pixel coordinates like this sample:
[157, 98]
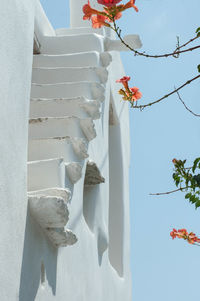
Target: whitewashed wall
[96, 267]
[16, 36]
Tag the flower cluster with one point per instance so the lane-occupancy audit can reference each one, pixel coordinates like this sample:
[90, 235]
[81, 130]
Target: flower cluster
[182, 233]
[130, 94]
[110, 12]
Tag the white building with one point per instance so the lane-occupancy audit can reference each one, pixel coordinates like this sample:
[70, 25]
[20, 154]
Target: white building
[66, 236]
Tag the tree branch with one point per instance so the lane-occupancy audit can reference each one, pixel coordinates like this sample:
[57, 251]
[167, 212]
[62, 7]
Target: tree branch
[186, 107]
[169, 192]
[174, 54]
[141, 107]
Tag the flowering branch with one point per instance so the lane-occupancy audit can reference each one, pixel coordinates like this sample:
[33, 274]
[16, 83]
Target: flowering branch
[141, 107]
[191, 237]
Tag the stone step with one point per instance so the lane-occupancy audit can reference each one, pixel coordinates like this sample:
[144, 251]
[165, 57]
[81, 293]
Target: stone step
[45, 174]
[63, 193]
[88, 90]
[70, 149]
[49, 211]
[45, 75]
[61, 237]
[79, 107]
[72, 44]
[60, 127]
[84, 59]
[79, 31]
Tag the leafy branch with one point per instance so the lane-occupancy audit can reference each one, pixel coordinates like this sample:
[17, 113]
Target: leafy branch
[186, 179]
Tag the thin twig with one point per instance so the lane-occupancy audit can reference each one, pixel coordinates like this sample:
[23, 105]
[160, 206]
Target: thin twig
[190, 41]
[141, 107]
[118, 32]
[168, 192]
[186, 107]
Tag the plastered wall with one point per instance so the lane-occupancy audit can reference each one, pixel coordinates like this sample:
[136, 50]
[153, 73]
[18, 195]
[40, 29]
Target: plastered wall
[16, 36]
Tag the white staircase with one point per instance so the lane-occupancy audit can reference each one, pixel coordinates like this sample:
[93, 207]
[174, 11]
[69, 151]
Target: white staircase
[67, 91]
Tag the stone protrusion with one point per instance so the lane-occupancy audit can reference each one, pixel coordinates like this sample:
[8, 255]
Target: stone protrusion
[74, 171]
[49, 211]
[61, 238]
[102, 74]
[87, 126]
[106, 59]
[98, 91]
[93, 175]
[92, 107]
[80, 147]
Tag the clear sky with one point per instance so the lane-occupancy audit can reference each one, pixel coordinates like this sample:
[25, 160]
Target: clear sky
[162, 269]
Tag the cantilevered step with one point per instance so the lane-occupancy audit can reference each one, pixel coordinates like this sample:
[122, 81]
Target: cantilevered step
[49, 211]
[88, 90]
[61, 127]
[63, 193]
[44, 75]
[79, 31]
[71, 149]
[72, 44]
[61, 237]
[79, 107]
[45, 174]
[84, 59]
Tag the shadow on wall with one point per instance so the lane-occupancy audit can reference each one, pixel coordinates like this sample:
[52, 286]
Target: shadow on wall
[116, 201]
[93, 215]
[39, 262]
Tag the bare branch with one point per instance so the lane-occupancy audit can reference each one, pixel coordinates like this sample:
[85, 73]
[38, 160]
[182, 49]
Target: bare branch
[174, 53]
[186, 107]
[168, 192]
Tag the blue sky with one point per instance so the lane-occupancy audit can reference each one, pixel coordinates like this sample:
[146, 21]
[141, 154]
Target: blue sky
[162, 269]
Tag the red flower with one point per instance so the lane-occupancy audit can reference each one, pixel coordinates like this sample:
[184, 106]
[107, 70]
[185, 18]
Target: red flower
[175, 161]
[136, 94]
[108, 3]
[123, 80]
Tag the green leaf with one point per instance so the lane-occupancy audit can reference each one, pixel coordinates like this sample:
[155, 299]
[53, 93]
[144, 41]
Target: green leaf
[198, 68]
[197, 160]
[188, 195]
[198, 29]
[197, 204]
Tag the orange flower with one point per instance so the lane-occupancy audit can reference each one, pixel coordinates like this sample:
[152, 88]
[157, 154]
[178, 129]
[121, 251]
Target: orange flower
[89, 11]
[98, 21]
[111, 12]
[130, 4]
[182, 233]
[136, 94]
